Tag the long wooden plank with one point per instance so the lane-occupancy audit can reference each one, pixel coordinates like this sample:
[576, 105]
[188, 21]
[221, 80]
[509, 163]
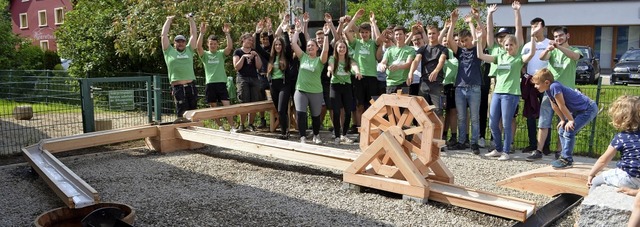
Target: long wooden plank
[261, 149]
[93, 139]
[226, 111]
[73, 191]
[550, 182]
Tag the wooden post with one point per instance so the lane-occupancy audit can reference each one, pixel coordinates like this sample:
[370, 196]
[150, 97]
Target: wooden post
[104, 124]
[23, 112]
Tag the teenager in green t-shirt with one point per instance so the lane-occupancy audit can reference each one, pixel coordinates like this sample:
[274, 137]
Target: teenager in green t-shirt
[309, 87]
[507, 90]
[397, 60]
[216, 77]
[340, 68]
[562, 57]
[179, 60]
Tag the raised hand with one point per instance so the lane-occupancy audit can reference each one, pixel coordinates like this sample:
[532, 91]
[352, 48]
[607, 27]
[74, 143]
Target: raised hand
[170, 17]
[268, 24]
[372, 17]
[259, 26]
[326, 29]
[226, 28]
[537, 29]
[327, 18]
[479, 32]
[298, 26]
[454, 15]
[515, 5]
[203, 27]
[447, 23]
[359, 13]
[305, 17]
[188, 15]
[468, 18]
[475, 13]
[492, 8]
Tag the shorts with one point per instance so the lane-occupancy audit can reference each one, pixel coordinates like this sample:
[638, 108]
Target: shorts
[365, 89]
[216, 92]
[450, 93]
[546, 113]
[326, 90]
[434, 94]
[248, 89]
[619, 178]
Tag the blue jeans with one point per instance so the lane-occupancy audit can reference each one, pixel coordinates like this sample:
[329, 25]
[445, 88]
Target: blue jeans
[468, 96]
[580, 119]
[503, 106]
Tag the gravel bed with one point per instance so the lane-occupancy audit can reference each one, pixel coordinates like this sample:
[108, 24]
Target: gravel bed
[214, 186]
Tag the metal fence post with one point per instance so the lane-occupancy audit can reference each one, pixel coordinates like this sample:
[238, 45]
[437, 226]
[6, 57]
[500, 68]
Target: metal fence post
[157, 97]
[149, 98]
[88, 118]
[593, 123]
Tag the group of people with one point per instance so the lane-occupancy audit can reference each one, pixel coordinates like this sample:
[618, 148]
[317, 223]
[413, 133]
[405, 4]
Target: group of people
[455, 72]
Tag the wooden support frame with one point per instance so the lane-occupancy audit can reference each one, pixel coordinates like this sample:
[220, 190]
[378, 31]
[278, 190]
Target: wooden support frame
[93, 139]
[168, 140]
[236, 109]
[551, 182]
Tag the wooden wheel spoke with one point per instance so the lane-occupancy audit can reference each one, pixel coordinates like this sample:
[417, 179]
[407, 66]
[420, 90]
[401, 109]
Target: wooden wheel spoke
[413, 130]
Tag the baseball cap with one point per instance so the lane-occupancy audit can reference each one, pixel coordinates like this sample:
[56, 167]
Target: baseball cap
[502, 30]
[179, 37]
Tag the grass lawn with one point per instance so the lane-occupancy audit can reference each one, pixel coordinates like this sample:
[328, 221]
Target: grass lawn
[6, 107]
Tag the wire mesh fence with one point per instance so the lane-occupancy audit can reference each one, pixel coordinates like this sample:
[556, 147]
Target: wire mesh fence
[130, 99]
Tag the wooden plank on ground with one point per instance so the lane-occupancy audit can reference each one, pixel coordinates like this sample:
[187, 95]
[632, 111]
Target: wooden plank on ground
[226, 111]
[93, 139]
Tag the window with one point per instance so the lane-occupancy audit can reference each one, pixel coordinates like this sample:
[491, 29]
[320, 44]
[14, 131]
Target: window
[24, 22]
[59, 15]
[44, 44]
[42, 18]
[25, 0]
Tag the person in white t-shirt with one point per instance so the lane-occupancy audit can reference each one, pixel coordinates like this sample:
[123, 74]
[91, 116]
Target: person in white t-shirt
[533, 98]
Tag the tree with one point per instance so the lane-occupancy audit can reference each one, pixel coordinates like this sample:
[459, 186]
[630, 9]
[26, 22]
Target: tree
[9, 39]
[404, 12]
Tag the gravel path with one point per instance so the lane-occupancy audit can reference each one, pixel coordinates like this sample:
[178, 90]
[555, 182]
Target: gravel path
[218, 187]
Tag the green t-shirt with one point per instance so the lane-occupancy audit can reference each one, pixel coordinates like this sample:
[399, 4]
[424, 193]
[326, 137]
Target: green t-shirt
[495, 50]
[364, 53]
[397, 55]
[340, 76]
[450, 69]
[309, 75]
[214, 66]
[508, 73]
[276, 73]
[179, 64]
[563, 68]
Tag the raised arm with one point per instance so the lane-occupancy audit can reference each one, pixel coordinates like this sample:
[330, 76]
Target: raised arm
[472, 28]
[226, 28]
[545, 53]
[329, 20]
[352, 24]
[164, 36]
[203, 30]
[516, 10]
[445, 30]
[325, 43]
[527, 57]
[570, 54]
[284, 22]
[452, 43]
[480, 49]
[256, 34]
[490, 34]
[375, 31]
[294, 41]
[192, 32]
[338, 35]
[305, 25]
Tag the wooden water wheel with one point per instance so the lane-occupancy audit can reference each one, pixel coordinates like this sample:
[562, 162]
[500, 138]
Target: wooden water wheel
[400, 137]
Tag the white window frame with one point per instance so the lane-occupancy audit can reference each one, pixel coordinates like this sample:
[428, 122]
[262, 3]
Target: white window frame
[44, 42]
[25, 0]
[40, 18]
[25, 21]
[58, 12]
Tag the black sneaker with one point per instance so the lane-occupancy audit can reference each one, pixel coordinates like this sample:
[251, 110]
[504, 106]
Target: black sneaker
[466, 144]
[547, 151]
[284, 136]
[240, 129]
[263, 123]
[457, 147]
[452, 141]
[528, 149]
[251, 128]
[535, 155]
[475, 149]
[557, 155]
[353, 130]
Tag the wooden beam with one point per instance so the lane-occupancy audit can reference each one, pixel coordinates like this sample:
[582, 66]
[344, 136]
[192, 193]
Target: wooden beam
[550, 182]
[227, 111]
[93, 139]
[387, 184]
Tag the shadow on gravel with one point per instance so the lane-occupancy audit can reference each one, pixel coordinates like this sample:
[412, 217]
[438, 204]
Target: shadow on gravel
[15, 136]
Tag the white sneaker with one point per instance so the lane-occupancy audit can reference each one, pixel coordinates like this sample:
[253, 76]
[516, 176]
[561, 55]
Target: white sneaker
[221, 128]
[336, 141]
[493, 153]
[303, 139]
[345, 139]
[504, 157]
[481, 142]
[234, 129]
[316, 139]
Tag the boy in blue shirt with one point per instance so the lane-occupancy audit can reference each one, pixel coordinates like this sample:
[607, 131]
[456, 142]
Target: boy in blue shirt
[573, 108]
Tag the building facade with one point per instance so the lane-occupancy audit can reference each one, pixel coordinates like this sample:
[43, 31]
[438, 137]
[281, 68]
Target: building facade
[610, 27]
[38, 19]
